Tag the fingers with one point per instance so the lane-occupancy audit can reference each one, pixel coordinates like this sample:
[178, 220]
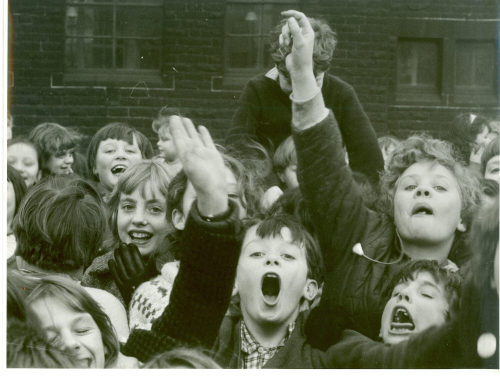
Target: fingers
[206, 138]
[297, 21]
[116, 276]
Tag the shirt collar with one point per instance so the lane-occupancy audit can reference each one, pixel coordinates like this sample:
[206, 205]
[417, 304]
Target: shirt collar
[249, 345]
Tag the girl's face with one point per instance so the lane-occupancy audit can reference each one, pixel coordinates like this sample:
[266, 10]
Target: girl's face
[492, 171]
[11, 206]
[72, 331]
[113, 157]
[24, 159]
[485, 136]
[142, 220]
[61, 163]
[427, 204]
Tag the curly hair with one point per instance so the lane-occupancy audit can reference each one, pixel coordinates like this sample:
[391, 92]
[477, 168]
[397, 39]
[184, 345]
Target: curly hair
[325, 41]
[418, 148]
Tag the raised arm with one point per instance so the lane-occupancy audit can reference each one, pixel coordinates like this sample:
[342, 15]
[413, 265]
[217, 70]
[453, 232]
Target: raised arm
[325, 180]
[211, 243]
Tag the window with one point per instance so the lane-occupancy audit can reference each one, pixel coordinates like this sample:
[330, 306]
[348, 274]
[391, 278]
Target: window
[447, 62]
[112, 39]
[418, 68]
[246, 44]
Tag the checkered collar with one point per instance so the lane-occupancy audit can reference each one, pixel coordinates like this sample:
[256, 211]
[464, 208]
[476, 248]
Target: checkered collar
[249, 345]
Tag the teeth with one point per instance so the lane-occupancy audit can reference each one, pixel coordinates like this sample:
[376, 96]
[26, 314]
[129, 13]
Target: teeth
[140, 235]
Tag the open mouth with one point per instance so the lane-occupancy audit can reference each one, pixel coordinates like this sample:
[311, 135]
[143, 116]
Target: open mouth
[402, 321]
[118, 169]
[270, 287]
[84, 363]
[422, 209]
[139, 237]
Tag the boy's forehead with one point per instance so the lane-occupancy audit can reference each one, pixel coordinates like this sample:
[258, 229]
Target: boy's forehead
[422, 277]
[285, 234]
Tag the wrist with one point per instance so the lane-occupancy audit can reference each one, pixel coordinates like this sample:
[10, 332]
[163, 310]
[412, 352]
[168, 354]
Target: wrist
[213, 205]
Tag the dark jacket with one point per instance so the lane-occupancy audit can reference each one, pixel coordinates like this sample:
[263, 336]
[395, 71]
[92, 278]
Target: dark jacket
[264, 114]
[201, 291]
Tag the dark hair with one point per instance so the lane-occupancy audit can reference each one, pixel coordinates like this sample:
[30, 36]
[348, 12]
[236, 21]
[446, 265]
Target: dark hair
[452, 281]
[325, 41]
[50, 139]
[60, 224]
[18, 184]
[119, 131]
[163, 117]
[182, 357]
[464, 130]
[271, 226]
[491, 150]
[77, 298]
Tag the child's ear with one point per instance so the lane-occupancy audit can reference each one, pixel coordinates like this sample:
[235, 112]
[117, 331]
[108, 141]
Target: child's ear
[235, 289]
[461, 226]
[311, 289]
[178, 219]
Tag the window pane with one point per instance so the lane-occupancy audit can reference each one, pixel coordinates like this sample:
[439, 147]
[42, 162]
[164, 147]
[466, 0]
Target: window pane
[89, 21]
[89, 53]
[137, 54]
[418, 63]
[243, 18]
[138, 22]
[242, 52]
[475, 64]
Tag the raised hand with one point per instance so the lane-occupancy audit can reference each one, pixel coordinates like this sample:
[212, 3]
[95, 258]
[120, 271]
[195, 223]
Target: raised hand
[203, 165]
[128, 270]
[297, 36]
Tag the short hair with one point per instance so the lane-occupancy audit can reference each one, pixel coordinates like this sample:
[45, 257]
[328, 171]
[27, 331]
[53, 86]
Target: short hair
[72, 294]
[60, 224]
[325, 41]
[163, 118]
[285, 155]
[452, 281]
[175, 193]
[270, 226]
[119, 131]
[491, 150]
[419, 148]
[18, 185]
[26, 348]
[136, 177]
[182, 357]
[464, 130]
[50, 139]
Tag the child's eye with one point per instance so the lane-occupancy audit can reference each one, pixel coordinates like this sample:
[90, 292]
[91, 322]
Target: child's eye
[410, 187]
[256, 254]
[440, 188]
[427, 295]
[156, 210]
[131, 151]
[288, 257]
[127, 207]
[82, 331]
[109, 151]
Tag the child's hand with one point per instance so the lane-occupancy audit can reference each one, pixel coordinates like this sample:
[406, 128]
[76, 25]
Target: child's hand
[128, 269]
[297, 36]
[203, 165]
[270, 197]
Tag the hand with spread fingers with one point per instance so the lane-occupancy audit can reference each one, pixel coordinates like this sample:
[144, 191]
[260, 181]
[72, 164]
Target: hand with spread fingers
[128, 270]
[203, 165]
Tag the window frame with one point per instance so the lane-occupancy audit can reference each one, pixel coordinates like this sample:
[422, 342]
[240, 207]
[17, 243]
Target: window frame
[448, 32]
[236, 77]
[120, 76]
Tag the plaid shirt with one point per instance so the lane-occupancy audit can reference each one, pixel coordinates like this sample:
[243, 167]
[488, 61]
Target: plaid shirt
[255, 356]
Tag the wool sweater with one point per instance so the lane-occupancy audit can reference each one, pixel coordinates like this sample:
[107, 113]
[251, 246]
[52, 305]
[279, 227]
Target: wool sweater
[202, 289]
[264, 114]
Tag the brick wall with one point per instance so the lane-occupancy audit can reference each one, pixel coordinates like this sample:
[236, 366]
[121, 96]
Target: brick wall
[193, 57]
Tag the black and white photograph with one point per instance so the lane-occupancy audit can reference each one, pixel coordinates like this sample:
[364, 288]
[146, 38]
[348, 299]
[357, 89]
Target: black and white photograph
[251, 184]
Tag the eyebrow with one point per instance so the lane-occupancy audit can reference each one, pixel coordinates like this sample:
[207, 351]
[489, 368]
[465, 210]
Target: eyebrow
[79, 318]
[430, 283]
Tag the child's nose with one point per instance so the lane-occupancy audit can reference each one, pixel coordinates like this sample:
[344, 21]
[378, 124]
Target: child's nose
[69, 341]
[272, 260]
[423, 192]
[139, 218]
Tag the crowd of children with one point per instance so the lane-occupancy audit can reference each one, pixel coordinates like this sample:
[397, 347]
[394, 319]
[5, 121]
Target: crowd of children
[198, 257]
